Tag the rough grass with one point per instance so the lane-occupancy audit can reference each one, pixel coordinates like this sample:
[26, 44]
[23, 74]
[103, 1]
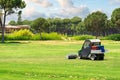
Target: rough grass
[45, 60]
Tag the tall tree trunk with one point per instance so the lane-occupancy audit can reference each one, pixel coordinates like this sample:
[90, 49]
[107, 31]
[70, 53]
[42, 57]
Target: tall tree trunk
[0, 22]
[96, 34]
[41, 35]
[3, 27]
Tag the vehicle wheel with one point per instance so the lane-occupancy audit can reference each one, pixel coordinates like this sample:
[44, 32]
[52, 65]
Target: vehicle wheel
[72, 56]
[101, 58]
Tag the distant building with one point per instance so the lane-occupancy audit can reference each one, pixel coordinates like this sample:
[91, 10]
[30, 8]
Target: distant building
[9, 28]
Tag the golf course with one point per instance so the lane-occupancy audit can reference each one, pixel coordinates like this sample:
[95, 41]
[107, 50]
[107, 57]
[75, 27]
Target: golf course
[46, 60]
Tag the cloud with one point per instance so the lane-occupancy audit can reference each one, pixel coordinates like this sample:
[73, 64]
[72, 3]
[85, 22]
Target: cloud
[65, 3]
[81, 11]
[34, 16]
[66, 9]
[11, 17]
[115, 2]
[29, 13]
[32, 13]
[97, 10]
[69, 10]
[43, 3]
[46, 4]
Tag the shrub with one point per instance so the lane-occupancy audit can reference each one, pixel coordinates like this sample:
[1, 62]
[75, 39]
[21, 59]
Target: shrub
[47, 36]
[83, 37]
[103, 38]
[36, 37]
[51, 36]
[28, 35]
[115, 37]
[20, 35]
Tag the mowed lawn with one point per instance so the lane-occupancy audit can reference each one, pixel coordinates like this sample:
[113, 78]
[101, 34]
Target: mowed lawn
[46, 60]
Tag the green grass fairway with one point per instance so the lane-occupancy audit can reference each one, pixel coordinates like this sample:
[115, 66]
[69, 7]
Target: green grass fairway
[46, 60]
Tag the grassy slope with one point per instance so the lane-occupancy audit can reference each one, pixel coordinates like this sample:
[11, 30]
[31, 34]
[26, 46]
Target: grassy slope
[46, 60]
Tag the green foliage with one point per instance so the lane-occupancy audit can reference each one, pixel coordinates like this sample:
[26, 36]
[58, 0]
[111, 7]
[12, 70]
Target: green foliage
[20, 35]
[19, 21]
[28, 35]
[96, 22]
[39, 25]
[12, 23]
[83, 37]
[115, 18]
[115, 37]
[47, 36]
[26, 22]
[10, 4]
[115, 15]
[51, 36]
[80, 28]
[76, 20]
[36, 37]
[103, 38]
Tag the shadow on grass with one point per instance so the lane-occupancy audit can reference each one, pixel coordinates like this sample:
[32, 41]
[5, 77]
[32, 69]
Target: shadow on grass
[15, 42]
[94, 60]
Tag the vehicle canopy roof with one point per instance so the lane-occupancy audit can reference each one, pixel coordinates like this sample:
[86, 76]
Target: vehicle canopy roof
[94, 40]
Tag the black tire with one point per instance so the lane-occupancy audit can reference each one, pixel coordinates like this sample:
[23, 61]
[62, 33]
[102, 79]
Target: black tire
[101, 58]
[72, 56]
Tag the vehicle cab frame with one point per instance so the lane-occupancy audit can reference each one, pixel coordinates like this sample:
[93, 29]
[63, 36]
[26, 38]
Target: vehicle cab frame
[92, 49]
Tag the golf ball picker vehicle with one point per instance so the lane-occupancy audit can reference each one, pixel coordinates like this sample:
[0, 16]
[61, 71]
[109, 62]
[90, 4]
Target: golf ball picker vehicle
[92, 49]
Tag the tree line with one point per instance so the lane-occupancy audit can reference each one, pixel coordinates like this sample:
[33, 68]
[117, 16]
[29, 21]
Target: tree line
[96, 23]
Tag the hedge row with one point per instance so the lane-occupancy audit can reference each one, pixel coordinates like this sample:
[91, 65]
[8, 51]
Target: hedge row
[115, 37]
[28, 35]
[83, 37]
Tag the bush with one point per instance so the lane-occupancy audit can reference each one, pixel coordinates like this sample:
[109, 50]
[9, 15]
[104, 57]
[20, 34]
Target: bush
[103, 38]
[115, 37]
[28, 35]
[36, 37]
[20, 35]
[51, 36]
[47, 36]
[83, 37]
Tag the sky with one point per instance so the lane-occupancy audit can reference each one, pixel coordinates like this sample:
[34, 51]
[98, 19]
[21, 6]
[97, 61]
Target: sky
[65, 8]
